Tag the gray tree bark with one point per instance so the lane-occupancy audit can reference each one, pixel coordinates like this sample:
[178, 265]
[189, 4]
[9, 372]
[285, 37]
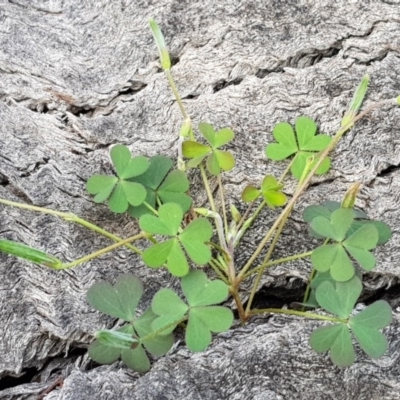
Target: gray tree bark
[77, 77]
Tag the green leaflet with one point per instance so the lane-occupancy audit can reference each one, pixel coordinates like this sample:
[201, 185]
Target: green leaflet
[203, 316]
[216, 160]
[303, 144]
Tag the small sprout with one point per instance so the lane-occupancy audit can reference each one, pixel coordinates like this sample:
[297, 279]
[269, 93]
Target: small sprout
[186, 128]
[270, 190]
[117, 339]
[236, 216]
[356, 102]
[192, 238]
[30, 254]
[304, 144]
[217, 160]
[351, 195]
[161, 46]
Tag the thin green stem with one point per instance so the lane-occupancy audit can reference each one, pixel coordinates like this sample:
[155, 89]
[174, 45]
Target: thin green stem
[149, 207]
[286, 171]
[105, 250]
[218, 270]
[248, 222]
[70, 218]
[207, 187]
[276, 262]
[176, 93]
[286, 211]
[221, 193]
[304, 314]
[264, 264]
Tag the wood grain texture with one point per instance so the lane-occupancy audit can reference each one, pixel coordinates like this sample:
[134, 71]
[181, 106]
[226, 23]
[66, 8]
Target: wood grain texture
[78, 77]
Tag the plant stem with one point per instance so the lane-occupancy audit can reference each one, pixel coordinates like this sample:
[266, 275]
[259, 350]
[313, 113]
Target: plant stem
[217, 270]
[70, 218]
[103, 251]
[176, 93]
[286, 211]
[221, 192]
[304, 314]
[275, 262]
[248, 222]
[264, 264]
[286, 171]
[207, 187]
[152, 209]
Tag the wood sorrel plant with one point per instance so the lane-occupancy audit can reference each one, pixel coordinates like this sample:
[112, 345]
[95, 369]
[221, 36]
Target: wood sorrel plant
[150, 190]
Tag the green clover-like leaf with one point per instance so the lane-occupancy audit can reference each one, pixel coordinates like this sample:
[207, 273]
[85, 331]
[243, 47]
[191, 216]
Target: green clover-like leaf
[162, 186]
[337, 339]
[217, 159]
[118, 301]
[366, 325]
[270, 190]
[325, 210]
[120, 191]
[304, 144]
[203, 316]
[335, 257]
[192, 238]
[339, 298]
[126, 343]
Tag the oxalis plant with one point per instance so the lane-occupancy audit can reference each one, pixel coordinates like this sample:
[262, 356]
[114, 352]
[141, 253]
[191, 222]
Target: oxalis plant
[198, 245]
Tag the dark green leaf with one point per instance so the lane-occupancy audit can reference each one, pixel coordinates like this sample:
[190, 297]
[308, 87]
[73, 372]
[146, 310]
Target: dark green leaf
[119, 301]
[339, 299]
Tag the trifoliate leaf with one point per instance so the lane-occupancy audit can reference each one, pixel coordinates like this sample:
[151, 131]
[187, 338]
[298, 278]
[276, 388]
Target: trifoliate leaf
[200, 291]
[192, 238]
[203, 317]
[217, 160]
[306, 145]
[121, 193]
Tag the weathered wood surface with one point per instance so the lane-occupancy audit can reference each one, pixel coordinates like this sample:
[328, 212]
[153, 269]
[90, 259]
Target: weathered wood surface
[78, 77]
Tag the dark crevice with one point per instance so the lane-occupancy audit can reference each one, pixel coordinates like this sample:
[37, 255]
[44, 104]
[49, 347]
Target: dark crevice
[389, 170]
[324, 182]
[308, 58]
[4, 181]
[35, 168]
[391, 295]
[263, 72]
[190, 97]
[33, 374]
[26, 376]
[222, 84]
[174, 60]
